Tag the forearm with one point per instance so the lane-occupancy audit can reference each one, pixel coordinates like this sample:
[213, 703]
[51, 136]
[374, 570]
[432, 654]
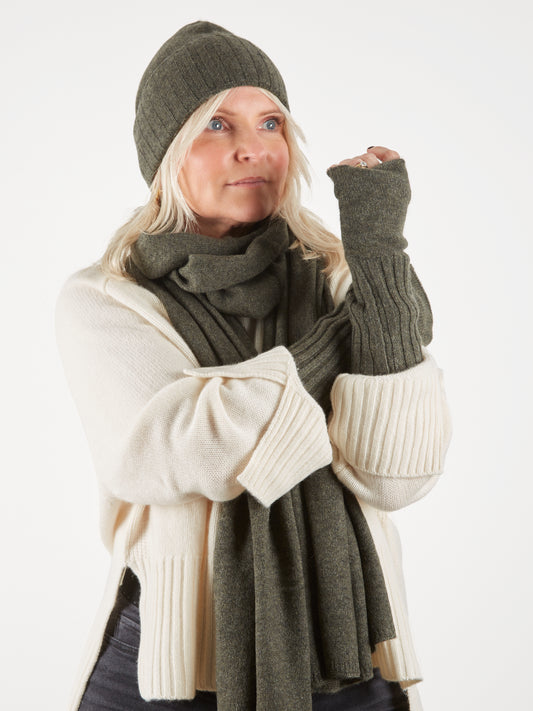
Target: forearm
[386, 317]
[162, 431]
[388, 308]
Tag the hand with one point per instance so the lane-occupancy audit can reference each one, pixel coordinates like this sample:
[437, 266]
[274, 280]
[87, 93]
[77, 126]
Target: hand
[373, 157]
[372, 201]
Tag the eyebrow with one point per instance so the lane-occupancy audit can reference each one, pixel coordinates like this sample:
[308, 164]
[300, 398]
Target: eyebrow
[261, 113]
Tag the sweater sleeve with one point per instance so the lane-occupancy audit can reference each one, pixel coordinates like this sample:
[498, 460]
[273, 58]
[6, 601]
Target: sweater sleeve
[390, 433]
[162, 430]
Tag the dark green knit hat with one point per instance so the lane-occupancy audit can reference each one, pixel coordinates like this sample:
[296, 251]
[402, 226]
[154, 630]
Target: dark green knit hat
[199, 61]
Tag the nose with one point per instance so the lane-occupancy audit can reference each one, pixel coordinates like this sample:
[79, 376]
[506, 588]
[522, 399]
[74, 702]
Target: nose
[249, 146]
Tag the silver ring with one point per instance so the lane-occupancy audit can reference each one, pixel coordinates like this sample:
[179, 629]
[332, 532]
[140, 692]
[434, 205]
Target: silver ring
[362, 164]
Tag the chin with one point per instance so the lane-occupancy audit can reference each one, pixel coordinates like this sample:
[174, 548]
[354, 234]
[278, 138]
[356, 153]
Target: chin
[255, 214]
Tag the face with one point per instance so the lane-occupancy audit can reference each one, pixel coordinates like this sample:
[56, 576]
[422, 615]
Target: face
[235, 173]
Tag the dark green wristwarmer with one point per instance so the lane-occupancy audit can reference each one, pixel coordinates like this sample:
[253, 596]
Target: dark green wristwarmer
[323, 353]
[373, 205]
[390, 311]
[387, 309]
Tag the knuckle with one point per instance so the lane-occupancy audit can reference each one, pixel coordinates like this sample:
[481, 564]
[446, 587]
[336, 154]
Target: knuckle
[391, 155]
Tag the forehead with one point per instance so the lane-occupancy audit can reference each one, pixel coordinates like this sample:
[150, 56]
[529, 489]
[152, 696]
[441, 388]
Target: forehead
[247, 99]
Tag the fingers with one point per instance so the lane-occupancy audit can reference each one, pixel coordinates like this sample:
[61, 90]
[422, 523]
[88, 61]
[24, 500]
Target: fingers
[384, 154]
[369, 159]
[373, 157]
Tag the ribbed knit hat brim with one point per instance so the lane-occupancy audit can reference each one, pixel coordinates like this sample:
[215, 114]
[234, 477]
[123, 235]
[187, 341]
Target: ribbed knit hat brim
[199, 61]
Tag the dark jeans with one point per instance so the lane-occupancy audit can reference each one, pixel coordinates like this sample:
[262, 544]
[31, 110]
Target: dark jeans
[113, 682]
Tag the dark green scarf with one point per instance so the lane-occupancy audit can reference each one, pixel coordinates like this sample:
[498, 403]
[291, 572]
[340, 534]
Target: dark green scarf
[300, 600]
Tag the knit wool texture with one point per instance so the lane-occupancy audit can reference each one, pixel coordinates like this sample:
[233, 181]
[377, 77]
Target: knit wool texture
[300, 599]
[197, 62]
[390, 310]
[386, 318]
[270, 651]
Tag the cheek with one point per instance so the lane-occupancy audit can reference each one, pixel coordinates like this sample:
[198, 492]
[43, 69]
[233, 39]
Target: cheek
[282, 163]
[198, 174]
[183, 182]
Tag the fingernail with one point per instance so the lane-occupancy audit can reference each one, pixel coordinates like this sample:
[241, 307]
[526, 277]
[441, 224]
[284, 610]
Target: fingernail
[369, 147]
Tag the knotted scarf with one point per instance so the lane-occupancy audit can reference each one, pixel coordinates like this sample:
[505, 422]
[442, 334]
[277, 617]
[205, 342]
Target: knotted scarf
[300, 600]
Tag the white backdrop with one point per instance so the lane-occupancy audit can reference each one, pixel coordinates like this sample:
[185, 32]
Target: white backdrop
[447, 86]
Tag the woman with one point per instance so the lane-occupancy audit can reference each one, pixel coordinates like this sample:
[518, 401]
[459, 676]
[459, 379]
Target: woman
[256, 394]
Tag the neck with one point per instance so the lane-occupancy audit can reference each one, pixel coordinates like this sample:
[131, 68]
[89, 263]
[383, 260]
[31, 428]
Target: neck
[220, 229]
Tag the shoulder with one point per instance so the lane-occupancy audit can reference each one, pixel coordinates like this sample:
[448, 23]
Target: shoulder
[89, 289]
[92, 280]
[91, 299]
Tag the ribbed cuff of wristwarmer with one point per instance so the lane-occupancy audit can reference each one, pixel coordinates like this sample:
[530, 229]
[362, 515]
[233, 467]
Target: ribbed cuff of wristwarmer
[323, 352]
[373, 206]
[295, 444]
[385, 313]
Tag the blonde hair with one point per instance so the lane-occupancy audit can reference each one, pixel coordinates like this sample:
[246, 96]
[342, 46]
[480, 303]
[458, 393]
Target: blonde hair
[167, 210]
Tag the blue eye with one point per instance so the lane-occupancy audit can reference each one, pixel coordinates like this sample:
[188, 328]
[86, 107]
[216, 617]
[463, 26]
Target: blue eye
[215, 125]
[271, 124]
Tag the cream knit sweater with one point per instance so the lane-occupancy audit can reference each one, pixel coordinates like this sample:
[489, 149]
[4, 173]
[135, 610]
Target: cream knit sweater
[170, 440]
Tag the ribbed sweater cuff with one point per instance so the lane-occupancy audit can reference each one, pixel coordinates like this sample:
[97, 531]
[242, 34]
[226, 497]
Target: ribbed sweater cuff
[169, 623]
[295, 444]
[403, 436]
[402, 428]
[296, 441]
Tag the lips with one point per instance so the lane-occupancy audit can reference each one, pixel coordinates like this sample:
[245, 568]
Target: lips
[253, 180]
